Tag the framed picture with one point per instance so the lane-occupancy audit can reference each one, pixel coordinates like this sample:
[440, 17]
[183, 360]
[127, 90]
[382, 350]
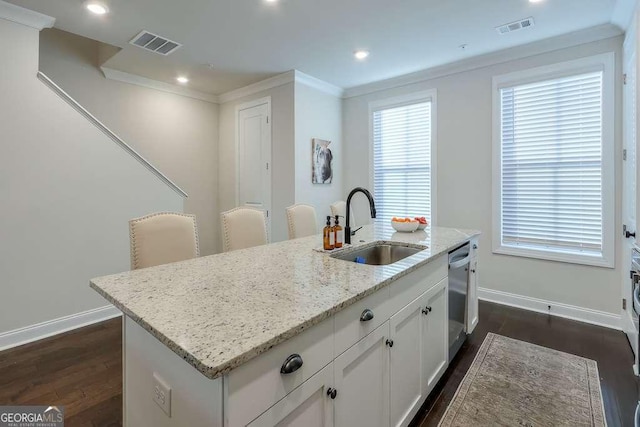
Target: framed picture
[321, 158]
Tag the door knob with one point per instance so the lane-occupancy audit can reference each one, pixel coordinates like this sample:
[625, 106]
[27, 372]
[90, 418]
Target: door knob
[389, 343]
[426, 310]
[628, 234]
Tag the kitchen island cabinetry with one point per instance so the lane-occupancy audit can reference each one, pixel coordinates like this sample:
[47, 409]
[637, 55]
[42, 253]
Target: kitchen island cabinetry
[312, 341]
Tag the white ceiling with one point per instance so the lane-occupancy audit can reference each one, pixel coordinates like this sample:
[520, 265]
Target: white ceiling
[249, 40]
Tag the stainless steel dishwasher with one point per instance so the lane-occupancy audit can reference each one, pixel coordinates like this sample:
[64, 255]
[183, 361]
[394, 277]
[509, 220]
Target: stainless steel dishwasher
[458, 288]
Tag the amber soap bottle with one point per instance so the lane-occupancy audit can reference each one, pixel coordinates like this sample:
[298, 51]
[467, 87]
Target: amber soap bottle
[328, 236]
[338, 233]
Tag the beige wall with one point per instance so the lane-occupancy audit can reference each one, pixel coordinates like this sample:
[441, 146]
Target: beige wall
[282, 157]
[67, 191]
[464, 179]
[177, 134]
[318, 115]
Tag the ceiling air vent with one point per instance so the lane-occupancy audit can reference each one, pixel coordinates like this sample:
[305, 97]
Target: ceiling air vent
[515, 26]
[154, 43]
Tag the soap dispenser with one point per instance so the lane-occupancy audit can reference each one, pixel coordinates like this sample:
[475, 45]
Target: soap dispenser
[339, 234]
[328, 236]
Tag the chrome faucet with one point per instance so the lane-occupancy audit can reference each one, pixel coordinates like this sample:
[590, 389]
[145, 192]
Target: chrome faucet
[372, 207]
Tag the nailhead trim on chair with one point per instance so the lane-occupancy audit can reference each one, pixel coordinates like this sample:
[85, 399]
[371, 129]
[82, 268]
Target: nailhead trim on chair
[290, 223]
[226, 243]
[132, 236]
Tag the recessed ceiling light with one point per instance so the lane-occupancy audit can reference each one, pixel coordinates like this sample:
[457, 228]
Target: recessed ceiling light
[536, 1]
[182, 79]
[96, 7]
[361, 54]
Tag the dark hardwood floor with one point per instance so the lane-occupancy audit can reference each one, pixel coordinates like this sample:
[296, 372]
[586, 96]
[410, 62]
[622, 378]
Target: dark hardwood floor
[82, 369]
[607, 347]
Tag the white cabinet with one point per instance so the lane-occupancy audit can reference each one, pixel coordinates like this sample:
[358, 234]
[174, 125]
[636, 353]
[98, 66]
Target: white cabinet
[406, 363]
[418, 357]
[374, 370]
[258, 384]
[435, 334]
[362, 382]
[472, 297]
[309, 405]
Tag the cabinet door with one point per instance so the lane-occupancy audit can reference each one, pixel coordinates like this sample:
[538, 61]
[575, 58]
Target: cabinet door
[406, 376]
[362, 382]
[435, 338]
[472, 298]
[306, 406]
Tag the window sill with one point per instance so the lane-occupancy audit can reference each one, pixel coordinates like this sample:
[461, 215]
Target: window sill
[593, 261]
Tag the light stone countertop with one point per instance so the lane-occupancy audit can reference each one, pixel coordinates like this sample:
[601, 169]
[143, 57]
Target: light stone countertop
[219, 311]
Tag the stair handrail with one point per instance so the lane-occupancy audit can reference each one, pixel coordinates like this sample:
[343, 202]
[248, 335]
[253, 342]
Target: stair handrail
[115, 138]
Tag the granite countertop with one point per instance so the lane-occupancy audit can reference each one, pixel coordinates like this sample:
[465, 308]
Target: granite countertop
[219, 311]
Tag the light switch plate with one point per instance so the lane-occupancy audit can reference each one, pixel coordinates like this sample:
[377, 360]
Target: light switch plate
[161, 394]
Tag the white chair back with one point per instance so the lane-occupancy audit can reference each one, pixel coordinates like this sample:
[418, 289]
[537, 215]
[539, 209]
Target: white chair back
[302, 221]
[243, 227]
[161, 238]
[340, 208]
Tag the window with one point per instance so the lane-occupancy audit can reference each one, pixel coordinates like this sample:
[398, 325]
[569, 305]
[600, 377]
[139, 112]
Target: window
[555, 186]
[402, 133]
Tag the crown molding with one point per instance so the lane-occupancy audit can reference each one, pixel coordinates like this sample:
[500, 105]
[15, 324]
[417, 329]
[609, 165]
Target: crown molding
[23, 16]
[262, 85]
[134, 79]
[318, 84]
[576, 38]
[623, 12]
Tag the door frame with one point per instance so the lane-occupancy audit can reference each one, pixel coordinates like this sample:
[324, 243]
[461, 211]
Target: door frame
[244, 106]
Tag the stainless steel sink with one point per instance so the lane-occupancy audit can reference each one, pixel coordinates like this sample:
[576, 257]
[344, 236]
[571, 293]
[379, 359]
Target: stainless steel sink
[378, 254]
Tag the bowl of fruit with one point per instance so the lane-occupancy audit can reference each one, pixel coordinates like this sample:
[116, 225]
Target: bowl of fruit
[404, 225]
[422, 222]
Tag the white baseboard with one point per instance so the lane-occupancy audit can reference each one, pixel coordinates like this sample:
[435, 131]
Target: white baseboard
[56, 326]
[587, 315]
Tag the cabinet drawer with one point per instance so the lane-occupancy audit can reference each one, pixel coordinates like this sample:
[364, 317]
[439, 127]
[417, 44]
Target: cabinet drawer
[349, 329]
[414, 284]
[257, 385]
[308, 405]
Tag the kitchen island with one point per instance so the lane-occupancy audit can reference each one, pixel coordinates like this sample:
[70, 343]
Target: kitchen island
[276, 334]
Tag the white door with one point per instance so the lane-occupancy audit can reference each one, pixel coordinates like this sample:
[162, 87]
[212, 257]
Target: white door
[254, 156]
[362, 382]
[435, 337]
[309, 405]
[406, 376]
[630, 170]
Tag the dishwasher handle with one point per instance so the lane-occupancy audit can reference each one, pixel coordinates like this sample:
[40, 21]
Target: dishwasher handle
[458, 263]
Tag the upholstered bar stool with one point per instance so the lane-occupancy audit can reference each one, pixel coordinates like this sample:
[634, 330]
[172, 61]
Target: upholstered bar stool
[161, 238]
[242, 228]
[340, 208]
[302, 221]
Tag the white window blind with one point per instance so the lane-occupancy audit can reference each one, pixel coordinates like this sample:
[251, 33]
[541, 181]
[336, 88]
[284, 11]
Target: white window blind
[402, 160]
[552, 165]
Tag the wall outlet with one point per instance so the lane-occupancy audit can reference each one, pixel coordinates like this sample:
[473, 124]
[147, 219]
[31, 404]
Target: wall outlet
[162, 394]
